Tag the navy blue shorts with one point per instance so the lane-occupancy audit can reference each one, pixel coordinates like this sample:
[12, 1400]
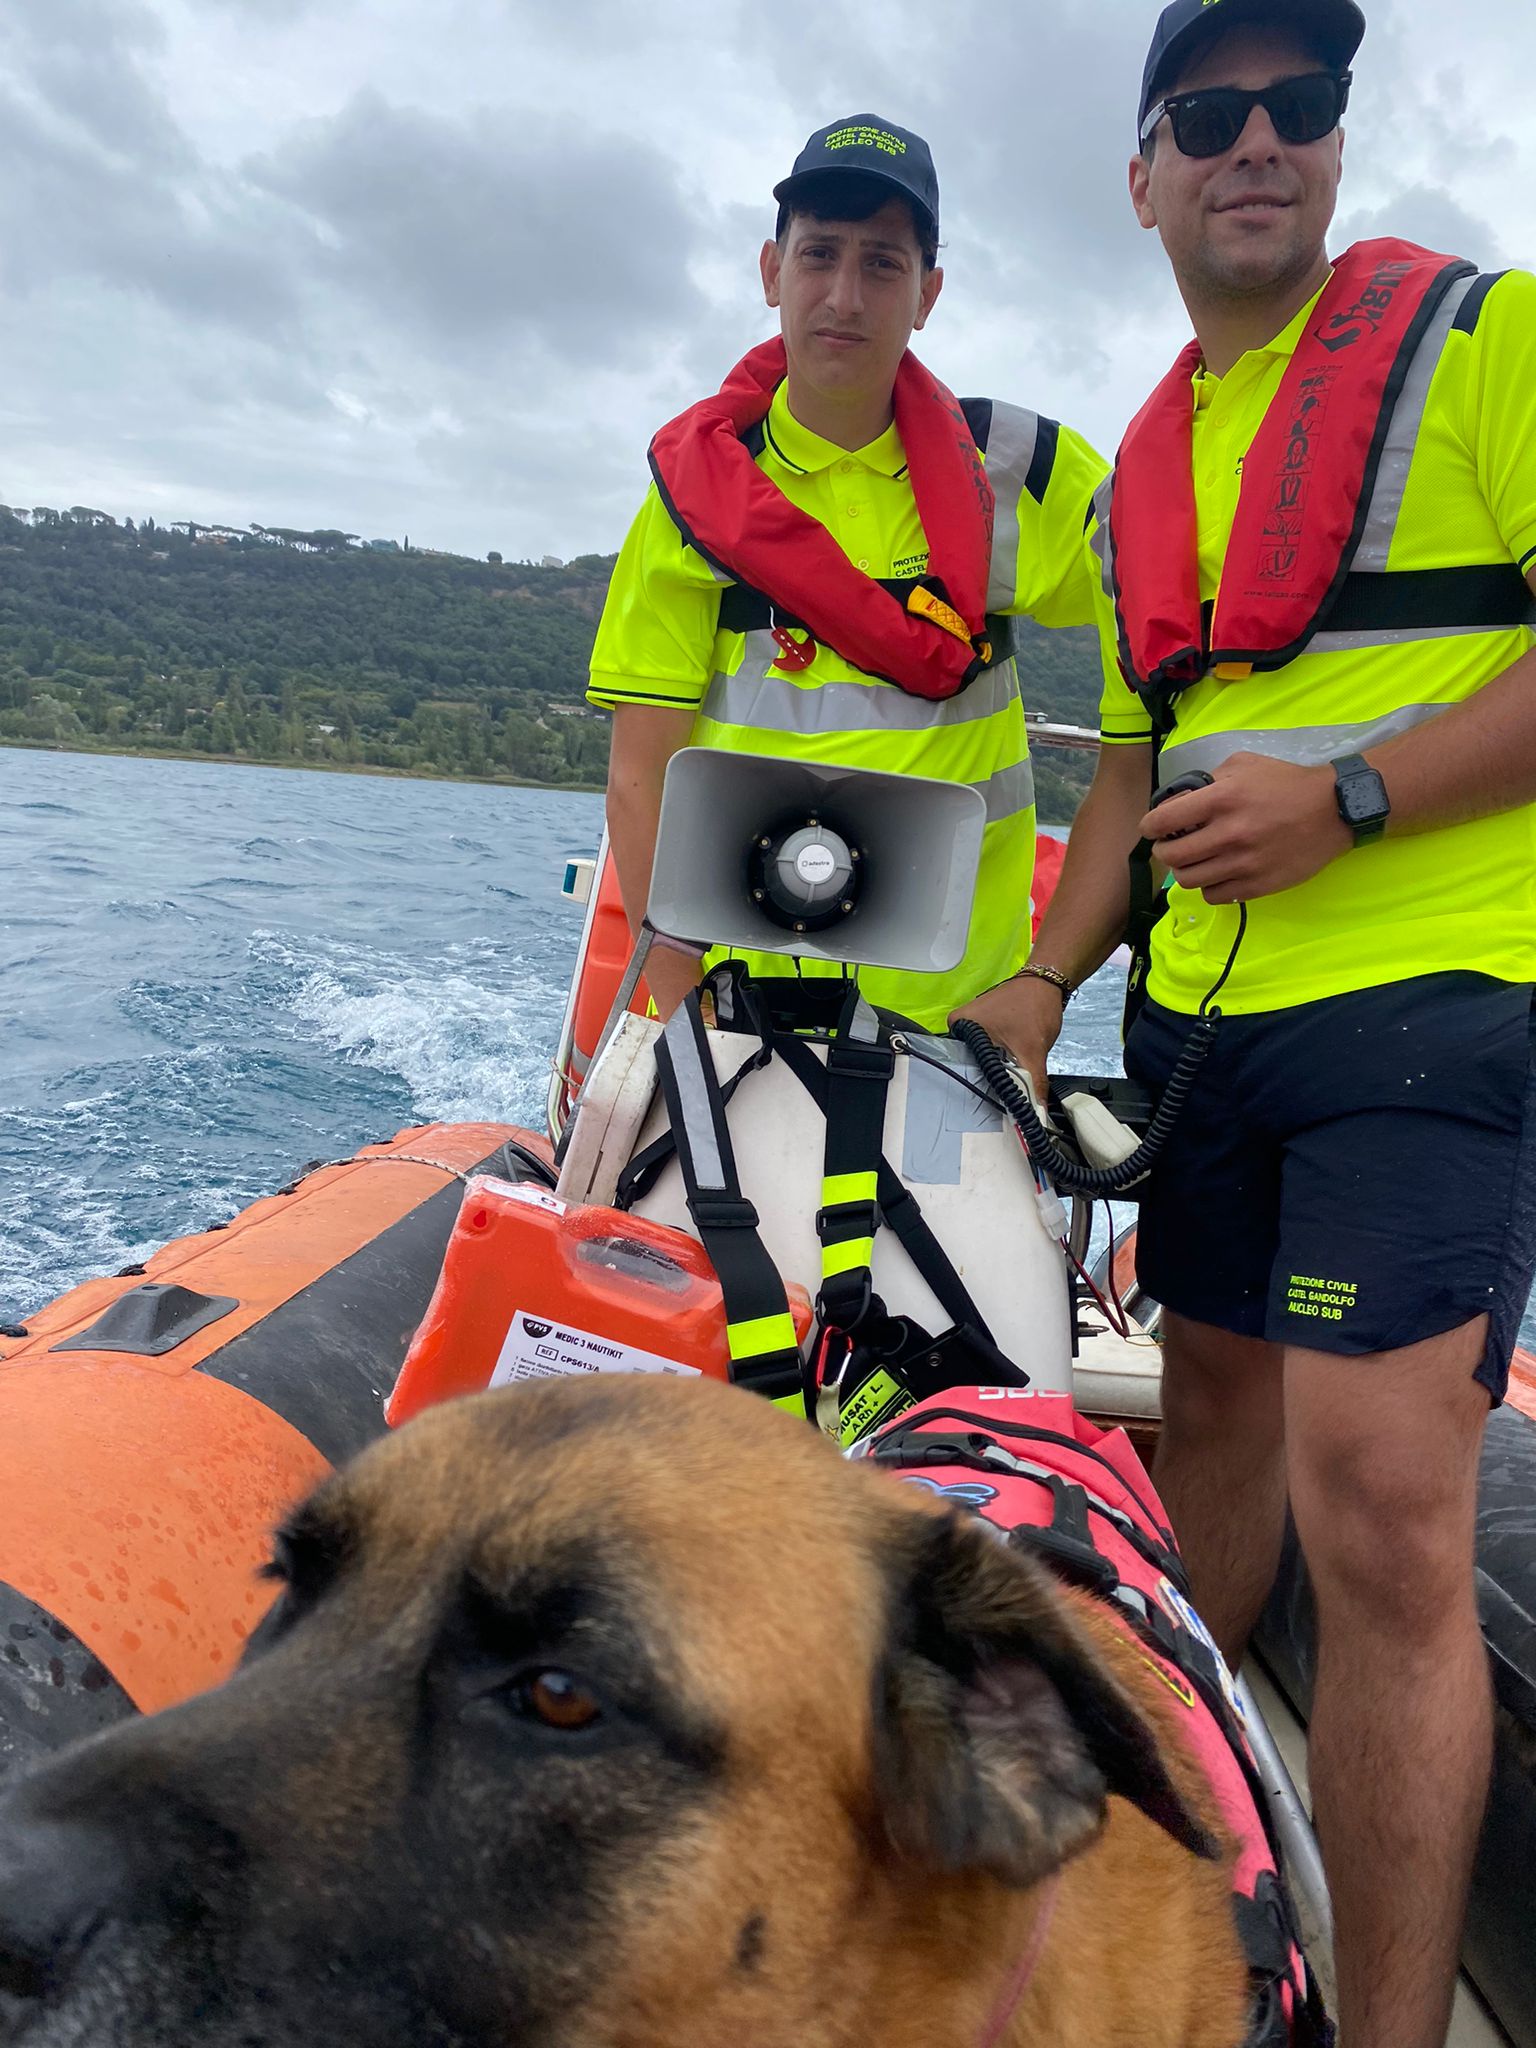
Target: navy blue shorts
[1351, 1175]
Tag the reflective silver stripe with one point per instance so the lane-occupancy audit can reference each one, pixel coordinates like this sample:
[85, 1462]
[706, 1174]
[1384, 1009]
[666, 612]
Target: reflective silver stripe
[1011, 440]
[1008, 792]
[1407, 420]
[1393, 636]
[1100, 541]
[770, 703]
[1309, 746]
[693, 1100]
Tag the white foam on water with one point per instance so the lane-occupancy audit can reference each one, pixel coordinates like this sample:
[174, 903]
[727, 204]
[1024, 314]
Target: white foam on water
[467, 1049]
[66, 1230]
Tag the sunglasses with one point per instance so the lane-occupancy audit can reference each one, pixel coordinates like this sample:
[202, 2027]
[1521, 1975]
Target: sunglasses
[1209, 123]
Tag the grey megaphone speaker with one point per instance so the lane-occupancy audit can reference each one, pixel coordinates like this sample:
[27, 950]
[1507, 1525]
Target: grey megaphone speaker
[843, 864]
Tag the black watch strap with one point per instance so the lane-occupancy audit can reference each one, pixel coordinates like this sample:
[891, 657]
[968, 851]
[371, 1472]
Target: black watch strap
[1362, 797]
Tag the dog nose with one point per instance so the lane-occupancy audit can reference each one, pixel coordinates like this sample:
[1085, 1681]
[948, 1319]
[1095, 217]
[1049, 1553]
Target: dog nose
[58, 1882]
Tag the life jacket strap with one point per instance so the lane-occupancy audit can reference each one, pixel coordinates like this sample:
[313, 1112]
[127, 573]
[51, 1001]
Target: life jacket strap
[1481, 595]
[745, 609]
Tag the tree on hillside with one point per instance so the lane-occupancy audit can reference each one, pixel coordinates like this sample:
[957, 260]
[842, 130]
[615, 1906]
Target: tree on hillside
[135, 636]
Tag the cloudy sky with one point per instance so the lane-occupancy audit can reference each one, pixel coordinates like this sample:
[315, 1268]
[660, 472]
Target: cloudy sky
[437, 267]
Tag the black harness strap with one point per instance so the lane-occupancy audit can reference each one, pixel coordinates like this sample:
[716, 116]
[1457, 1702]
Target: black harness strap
[647, 1166]
[899, 1208]
[878, 1354]
[1068, 1520]
[984, 1431]
[860, 1064]
[764, 1350]
[1489, 595]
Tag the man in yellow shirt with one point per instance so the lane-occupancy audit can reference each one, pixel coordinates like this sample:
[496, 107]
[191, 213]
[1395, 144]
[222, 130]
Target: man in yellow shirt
[1316, 617]
[691, 652]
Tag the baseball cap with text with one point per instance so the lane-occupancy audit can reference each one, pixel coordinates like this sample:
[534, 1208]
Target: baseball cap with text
[1334, 29]
[874, 149]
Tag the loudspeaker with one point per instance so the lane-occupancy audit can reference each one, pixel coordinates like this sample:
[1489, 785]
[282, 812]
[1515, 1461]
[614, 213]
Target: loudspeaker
[843, 864]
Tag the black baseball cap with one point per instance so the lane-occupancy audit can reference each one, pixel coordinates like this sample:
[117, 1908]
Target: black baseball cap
[1334, 28]
[874, 149]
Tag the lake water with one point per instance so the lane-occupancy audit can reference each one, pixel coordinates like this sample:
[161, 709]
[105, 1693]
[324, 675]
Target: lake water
[213, 974]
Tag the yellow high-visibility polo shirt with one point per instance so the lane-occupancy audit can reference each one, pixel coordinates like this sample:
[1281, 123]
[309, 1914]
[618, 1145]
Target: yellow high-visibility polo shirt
[1408, 903]
[659, 643]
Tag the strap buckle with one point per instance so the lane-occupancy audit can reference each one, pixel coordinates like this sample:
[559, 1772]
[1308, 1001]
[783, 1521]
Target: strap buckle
[860, 1062]
[720, 1211]
[832, 1311]
[861, 1218]
[779, 1376]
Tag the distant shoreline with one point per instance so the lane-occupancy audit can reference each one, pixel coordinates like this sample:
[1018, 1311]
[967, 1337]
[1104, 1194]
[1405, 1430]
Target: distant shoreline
[302, 767]
[352, 768]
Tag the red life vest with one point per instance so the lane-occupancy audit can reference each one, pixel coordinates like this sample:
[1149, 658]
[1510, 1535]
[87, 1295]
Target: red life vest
[931, 641]
[1079, 1499]
[1307, 481]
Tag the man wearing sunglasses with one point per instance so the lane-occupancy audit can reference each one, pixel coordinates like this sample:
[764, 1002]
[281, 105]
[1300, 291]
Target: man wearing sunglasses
[1318, 564]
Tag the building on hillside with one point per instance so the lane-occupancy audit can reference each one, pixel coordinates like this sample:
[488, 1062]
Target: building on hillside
[551, 562]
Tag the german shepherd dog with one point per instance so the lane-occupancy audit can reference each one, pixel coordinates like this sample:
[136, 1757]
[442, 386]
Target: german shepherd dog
[626, 1714]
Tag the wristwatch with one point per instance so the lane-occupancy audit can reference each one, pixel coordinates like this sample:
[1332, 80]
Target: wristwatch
[1362, 797]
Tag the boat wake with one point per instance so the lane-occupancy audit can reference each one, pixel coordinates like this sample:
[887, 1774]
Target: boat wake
[470, 1039]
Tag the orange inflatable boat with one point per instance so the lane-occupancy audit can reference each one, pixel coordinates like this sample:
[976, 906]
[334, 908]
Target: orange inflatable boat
[154, 1426]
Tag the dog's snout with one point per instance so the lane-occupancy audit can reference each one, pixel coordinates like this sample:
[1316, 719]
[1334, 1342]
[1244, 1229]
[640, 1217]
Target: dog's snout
[59, 1880]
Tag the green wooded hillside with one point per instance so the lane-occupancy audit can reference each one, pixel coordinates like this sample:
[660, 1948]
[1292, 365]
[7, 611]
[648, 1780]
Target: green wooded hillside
[284, 646]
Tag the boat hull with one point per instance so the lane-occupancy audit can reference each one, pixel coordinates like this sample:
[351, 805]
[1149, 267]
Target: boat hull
[140, 1485]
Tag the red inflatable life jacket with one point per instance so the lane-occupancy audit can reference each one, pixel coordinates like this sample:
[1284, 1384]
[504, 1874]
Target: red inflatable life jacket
[930, 638]
[1078, 1498]
[1307, 481]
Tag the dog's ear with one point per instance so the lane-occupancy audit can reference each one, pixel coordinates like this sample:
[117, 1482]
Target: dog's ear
[999, 1732]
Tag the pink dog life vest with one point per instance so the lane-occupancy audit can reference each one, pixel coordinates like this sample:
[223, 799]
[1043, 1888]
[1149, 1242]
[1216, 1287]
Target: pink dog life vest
[1079, 1499]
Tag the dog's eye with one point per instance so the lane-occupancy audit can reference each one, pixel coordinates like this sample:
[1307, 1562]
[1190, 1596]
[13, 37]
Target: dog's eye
[558, 1700]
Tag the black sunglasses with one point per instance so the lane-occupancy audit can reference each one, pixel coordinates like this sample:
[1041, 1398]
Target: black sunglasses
[1208, 123]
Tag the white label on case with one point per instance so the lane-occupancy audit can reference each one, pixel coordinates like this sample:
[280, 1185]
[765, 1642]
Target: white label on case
[537, 1349]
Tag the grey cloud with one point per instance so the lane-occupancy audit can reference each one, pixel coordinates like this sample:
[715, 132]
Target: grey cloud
[266, 11]
[415, 311]
[1426, 214]
[499, 224]
[189, 243]
[1029, 113]
[97, 180]
[80, 63]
